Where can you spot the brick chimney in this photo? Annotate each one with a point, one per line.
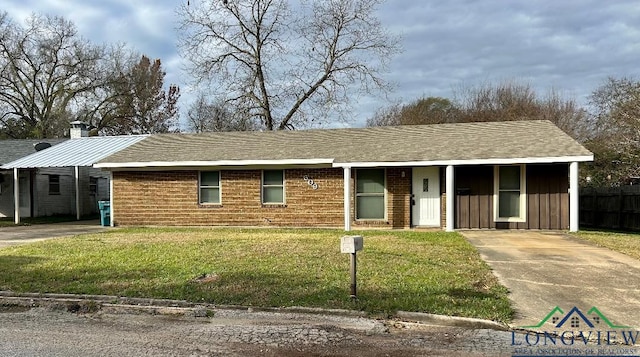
(78, 129)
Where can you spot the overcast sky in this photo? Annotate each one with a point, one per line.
(569, 45)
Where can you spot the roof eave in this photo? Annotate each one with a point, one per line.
(217, 163)
(490, 161)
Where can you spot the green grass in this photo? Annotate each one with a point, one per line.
(626, 243)
(433, 272)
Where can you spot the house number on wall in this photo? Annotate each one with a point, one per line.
(309, 180)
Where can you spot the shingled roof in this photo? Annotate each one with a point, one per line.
(537, 141)
(11, 149)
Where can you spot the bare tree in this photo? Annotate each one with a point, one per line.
(213, 116)
(102, 106)
(44, 69)
(290, 65)
(387, 116)
(616, 143)
(429, 110)
(510, 100)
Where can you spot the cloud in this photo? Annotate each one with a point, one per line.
(568, 45)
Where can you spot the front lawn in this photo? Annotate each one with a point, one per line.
(433, 272)
(626, 243)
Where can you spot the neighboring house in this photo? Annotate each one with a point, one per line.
(37, 200)
(521, 175)
(60, 179)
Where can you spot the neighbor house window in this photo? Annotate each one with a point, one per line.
(273, 186)
(93, 186)
(210, 187)
(370, 194)
(510, 198)
(54, 184)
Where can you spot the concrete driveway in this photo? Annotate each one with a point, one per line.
(543, 270)
(38, 232)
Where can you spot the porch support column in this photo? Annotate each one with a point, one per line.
(573, 197)
(111, 199)
(450, 199)
(76, 177)
(347, 199)
(16, 196)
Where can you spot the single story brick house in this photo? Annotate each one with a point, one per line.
(512, 175)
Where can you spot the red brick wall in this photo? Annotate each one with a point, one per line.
(399, 197)
(171, 198)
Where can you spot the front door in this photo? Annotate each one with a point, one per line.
(426, 195)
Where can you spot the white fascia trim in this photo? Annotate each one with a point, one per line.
(109, 165)
(524, 160)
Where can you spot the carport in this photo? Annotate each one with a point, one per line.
(76, 153)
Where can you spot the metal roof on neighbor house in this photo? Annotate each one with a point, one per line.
(84, 151)
(11, 149)
(439, 144)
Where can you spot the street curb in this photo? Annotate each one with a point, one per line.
(124, 305)
(453, 321)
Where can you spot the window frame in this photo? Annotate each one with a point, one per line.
(54, 184)
(93, 186)
(356, 195)
(263, 186)
(219, 187)
(523, 195)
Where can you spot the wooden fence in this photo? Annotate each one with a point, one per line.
(610, 207)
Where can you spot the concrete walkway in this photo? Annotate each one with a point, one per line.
(38, 232)
(543, 270)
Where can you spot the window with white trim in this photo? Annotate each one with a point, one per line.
(273, 186)
(54, 184)
(209, 187)
(510, 196)
(370, 194)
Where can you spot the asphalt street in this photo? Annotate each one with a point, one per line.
(47, 332)
(57, 332)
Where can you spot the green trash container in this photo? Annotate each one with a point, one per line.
(105, 213)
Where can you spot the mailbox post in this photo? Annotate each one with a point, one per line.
(351, 245)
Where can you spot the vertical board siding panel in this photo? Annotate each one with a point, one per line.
(474, 206)
(563, 178)
(533, 197)
(484, 206)
(543, 188)
(554, 204)
(474, 210)
(558, 216)
(464, 212)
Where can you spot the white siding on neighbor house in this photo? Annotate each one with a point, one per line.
(45, 204)
(6, 194)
